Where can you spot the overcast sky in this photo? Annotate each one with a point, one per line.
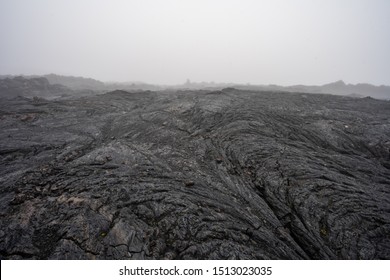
(166, 42)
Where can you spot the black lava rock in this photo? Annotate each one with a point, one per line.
(303, 176)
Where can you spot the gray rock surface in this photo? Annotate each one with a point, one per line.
(195, 175)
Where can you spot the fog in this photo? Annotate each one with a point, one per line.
(167, 42)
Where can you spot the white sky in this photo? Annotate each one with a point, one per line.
(168, 41)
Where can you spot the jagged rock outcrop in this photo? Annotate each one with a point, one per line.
(195, 175)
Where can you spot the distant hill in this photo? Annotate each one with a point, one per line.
(336, 88)
(76, 83)
(381, 92)
(31, 87)
(341, 88)
(42, 87)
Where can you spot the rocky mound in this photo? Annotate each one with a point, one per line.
(195, 175)
(33, 87)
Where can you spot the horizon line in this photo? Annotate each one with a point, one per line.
(190, 82)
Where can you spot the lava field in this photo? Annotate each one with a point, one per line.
(203, 174)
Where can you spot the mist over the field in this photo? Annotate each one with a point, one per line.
(166, 42)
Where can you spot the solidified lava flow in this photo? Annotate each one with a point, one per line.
(228, 174)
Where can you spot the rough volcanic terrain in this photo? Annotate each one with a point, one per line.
(195, 175)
